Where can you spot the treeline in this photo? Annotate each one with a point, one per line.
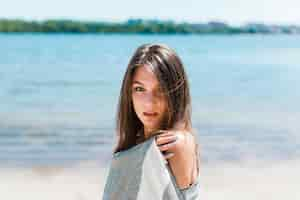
(138, 26)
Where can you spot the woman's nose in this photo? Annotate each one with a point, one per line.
(151, 98)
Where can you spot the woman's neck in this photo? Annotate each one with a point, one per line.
(147, 133)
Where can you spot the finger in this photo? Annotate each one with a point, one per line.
(164, 140)
(168, 155)
(160, 132)
(163, 133)
(167, 146)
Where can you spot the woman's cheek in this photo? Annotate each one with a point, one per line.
(137, 104)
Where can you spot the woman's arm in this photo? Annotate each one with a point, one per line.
(183, 163)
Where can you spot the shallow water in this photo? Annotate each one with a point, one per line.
(59, 94)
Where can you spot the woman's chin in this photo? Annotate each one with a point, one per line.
(151, 123)
(151, 127)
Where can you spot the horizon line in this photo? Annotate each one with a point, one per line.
(153, 19)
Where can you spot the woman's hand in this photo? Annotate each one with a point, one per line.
(178, 148)
(170, 142)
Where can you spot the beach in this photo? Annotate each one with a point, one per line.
(59, 99)
(86, 181)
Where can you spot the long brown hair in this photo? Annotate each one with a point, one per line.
(169, 70)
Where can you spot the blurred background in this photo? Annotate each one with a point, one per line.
(61, 67)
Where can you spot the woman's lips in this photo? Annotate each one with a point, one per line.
(150, 114)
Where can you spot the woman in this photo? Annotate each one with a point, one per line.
(155, 101)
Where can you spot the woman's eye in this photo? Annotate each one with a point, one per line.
(138, 89)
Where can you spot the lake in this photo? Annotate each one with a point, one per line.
(59, 93)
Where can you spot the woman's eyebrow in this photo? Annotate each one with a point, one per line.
(137, 82)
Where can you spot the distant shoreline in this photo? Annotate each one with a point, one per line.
(140, 26)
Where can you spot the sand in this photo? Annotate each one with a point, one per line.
(251, 180)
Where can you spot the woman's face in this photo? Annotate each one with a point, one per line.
(149, 102)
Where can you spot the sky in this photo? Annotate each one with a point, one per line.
(234, 12)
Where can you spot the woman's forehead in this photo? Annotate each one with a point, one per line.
(145, 76)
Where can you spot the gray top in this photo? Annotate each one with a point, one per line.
(142, 173)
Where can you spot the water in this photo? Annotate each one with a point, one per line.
(59, 93)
